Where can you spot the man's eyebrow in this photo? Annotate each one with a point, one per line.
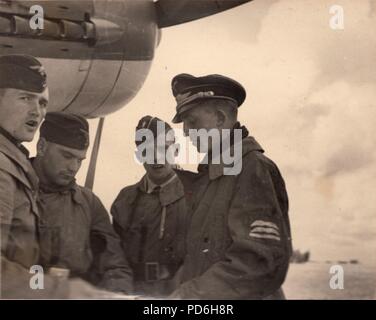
(72, 155)
(67, 153)
(25, 93)
(32, 95)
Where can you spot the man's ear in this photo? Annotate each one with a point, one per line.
(41, 147)
(177, 149)
(221, 117)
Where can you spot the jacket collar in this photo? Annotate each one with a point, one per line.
(73, 190)
(215, 171)
(77, 194)
(7, 135)
(17, 155)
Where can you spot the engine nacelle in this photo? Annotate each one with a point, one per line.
(97, 54)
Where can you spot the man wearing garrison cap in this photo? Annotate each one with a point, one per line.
(150, 216)
(76, 232)
(23, 105)
(238, 241)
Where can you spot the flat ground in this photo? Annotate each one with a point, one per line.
(311, 281)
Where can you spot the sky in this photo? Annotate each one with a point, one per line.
(311, 93)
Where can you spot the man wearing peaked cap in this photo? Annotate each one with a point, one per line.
(23, 105)
(189, 90)
(238, 240)
(76, 232)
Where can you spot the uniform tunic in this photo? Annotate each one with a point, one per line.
(238, 241)
(76, 233)
(151, 221)
(19, 219)
(18, 208)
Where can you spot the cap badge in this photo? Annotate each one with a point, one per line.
(183, 96)
(40, 70)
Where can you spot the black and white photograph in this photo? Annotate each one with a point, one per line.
(168, 150)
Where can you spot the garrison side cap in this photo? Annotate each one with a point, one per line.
(151, 123)
(23, 72)
(67, 129)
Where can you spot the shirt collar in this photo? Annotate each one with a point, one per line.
(169, 191)
(150, 186)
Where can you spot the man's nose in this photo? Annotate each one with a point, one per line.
(74, 165)
(36, 108)
(185, 130)
(159, 157)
